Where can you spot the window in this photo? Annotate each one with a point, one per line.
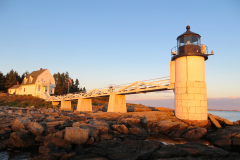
(188, 40)
(30, 79)
(194, 40)
(25, 80)
(182, 41)
(39, 87)
(24, 89)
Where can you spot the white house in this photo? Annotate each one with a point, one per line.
(39, 83)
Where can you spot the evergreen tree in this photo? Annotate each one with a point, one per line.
(62, 82)
(2, 82)
(71, 87)
(25, 74)
(59, 85)
(76, 85)
(11, 79)
(84, 89)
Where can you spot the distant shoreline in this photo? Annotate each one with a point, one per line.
(223, 110)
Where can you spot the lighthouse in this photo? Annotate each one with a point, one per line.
(187, 75)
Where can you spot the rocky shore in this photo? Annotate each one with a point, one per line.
(99, 135)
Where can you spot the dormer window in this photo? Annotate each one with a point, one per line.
(25, 80)
(30, 79)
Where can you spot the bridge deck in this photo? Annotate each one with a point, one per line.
(153, 85)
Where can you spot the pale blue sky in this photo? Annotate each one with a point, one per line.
(104, 42)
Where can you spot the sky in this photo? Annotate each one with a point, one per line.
(104, 42)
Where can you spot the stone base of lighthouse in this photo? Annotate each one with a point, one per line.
(191, 100)
(190, 88)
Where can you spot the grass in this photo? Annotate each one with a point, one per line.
(24, 101)
(28, 101)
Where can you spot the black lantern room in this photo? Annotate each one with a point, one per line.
(189, 44)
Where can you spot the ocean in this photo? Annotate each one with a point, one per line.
(230, 115)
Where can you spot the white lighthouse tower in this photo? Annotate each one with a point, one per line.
(188, 76)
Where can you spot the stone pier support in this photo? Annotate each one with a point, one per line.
(84, 104)
(117, 103)
(66, 105)
(54, 103)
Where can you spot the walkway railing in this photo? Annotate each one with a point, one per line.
(151, 85)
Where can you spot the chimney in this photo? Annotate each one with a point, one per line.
(17, 83)
(40, 69)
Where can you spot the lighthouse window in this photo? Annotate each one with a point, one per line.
(181, 41)
(187, 40)
(194, 40)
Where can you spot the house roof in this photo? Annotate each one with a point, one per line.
(15, 87)
(34, 75)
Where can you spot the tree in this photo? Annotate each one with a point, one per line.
(59, 85)
(84, 89)
(25, 74)
(62, 82)
(11, 79)
(2, 82)
(76, 85)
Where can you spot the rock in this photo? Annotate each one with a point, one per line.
(130, 108)
(143, 122)
(128, 149)
(139, 132)
(95, 134)
(226, 133)
(67, 156)
(79, 150)
(76, 135)
(196, 133)
(44, 150)
(177, 133)
(4, 145)
(120, 128)
(20, 123)
(20, 112)
(189, 149)
(51, 130)
(167, 125)
(223, 121)
(56, 123)
(129, 120)
(35, 128)
(88, 157)
(236, 123)
(137, 109)
(39, 139)
(5, 132)
(2, 113)
(76, 124)
(214, 121)
(57, 139)
(50, 119)
(44, 157)
(21, 139)
(37, 115)
(105, 137)
(196, 123)
(90, 140)
(223, 143)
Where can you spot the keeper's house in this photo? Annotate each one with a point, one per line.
(39, 83)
